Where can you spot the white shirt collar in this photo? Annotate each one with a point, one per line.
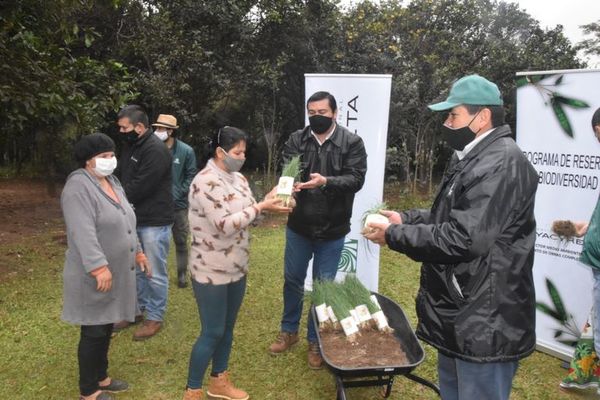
(326, 137)
(471, 145)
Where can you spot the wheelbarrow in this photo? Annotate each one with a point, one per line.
(381, 375)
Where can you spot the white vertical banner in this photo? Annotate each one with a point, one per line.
(363, 103)
(554, 131)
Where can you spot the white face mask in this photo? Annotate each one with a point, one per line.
(105, 166)
(162, 135)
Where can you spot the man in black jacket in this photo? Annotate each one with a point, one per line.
(334, 163)
(145, 173)
(476, 301)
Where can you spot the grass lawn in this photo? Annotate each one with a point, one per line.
(39, 351)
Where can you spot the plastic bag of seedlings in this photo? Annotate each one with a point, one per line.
(285, 187)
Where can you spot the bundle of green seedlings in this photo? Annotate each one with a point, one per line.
(350, 303)
(289, 174)
(367, 307)
(373, 215)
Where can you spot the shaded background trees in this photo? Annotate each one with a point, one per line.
(67, 66)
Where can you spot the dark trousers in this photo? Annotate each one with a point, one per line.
(93, 356)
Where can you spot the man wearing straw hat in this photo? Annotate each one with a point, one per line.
(476, 300)
(183, 171)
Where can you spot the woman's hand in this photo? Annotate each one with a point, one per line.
(142, 261)
(273, 204)
(581, 228)
(103, 278)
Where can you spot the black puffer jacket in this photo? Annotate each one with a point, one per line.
(324, 213)
(144, 169)
(476, 301)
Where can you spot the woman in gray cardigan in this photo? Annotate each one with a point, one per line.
(99, 272)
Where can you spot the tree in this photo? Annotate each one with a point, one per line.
(52, 91)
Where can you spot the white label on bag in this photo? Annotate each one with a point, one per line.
(374, 300)
(363, 313)
(321, 310)
(285, 185)
(349, 326)
(331, 314)
(354, 315)
(381, 320)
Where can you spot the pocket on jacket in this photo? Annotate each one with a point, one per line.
(93, 297)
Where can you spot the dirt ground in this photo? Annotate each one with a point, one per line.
(371, 349)
(26, 211)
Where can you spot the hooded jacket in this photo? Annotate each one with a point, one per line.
(324, 213)
(476, 299)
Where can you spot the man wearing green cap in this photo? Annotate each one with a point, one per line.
(476, 301)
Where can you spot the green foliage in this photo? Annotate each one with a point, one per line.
(292, 168)
(359, 293)
(242, 63)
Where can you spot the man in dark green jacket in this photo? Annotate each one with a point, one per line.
(183, 171)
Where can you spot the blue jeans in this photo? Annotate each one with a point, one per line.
(218, 306)
(152, 292)
(596, 309)
(463, 380)
(298, 252)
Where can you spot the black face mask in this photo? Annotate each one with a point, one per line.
(129, 137)
(320, 123)
(460, 137)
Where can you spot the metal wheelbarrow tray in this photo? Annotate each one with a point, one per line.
(382, 375)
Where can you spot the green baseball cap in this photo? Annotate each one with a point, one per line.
(473, 90)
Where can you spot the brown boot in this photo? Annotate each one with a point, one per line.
(315, 361)
(193, 394)
(284, 341)
(119, 326)
(222, 388)
(147, 330)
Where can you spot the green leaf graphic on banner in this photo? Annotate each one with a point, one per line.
(548, 311)
(560, 314)
(349, 256)
(557, 100)
(571, 102)
(557, 301)
(560, 114)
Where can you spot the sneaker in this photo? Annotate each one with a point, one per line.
(115, 385)
(284, 342)
(315, 361)
(222, 388)
(147, 330)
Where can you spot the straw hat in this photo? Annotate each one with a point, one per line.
(167, 121)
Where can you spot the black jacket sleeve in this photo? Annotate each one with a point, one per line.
(475, 222)
(354, 168)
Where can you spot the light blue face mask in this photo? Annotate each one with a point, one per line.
(232, 164)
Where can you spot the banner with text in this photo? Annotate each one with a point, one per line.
(554, 131)
(363, 107)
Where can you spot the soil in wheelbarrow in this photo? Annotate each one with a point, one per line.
(371, 349)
